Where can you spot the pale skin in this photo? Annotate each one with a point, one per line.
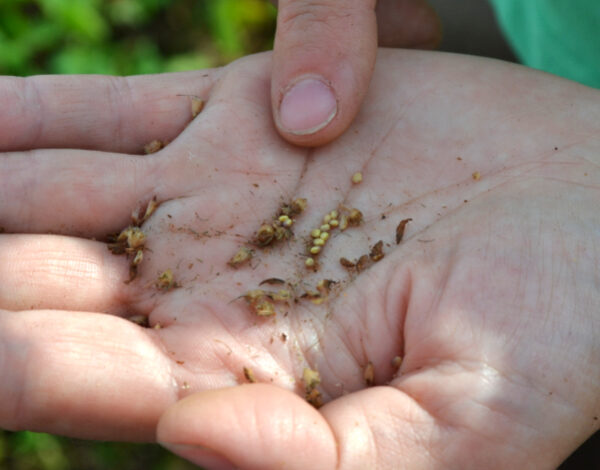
(491, 298)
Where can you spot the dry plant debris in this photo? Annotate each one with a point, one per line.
(141, 320)
(400, 230)
(249, 374)
(280, 227)
(154, 146)
(243, 256)
(312, 379)
(137, 218)
(166, 281)
(131, 240)
(369, 374)
(262, 303)
(197, 106)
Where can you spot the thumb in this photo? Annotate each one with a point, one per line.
(324, 55)
(256, 426)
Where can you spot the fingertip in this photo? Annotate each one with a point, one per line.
(308, 105)
(324, 57)
(251, 426)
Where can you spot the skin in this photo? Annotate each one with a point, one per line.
(319, 38)
(491, 298)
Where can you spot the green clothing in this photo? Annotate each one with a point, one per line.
(559, 36)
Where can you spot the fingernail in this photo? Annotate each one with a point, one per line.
(307, 106)
(201, 456)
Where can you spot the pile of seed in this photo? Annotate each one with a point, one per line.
(330, 221)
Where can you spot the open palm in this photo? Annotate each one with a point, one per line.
(490, 298)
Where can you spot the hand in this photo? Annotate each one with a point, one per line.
(333, 46)
(491, 298)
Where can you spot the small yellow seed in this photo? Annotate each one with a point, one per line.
(283, 218)
(324, 236)
(287, 223)
(310, 262)
(325, 228)
(318, 242)
(357, 177)
(334, 214)
(326, 219)
(315, 250)
(334, 223)
(316, 233)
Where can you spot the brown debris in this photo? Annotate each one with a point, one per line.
(312, 379)
(243, 256)
(400, 230)
(369, 374)
(377, 251)
(346, 263)
(355, 218)
(249, 374)
(314, 398)
(363, 263)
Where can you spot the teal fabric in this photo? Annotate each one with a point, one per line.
(559, 36)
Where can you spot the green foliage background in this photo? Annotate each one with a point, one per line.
(121, 37)
(125, 37)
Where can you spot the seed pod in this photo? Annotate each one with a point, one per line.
(249, 374)
(165, 280)
(400, 230)
(298, 205)
(139, 256)
(363, 263)
(154, 146)
(197, 106)
(265, 235)
(346, 263)
(355, 217)
(314, 398)
(343, 222)
(311, 378)
(377, 251)
(242, 256)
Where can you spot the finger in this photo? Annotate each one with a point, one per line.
(252, 427)
(119, 114)
(81, 374)
(54, 272)
(408, 23)
(74, 192)
(324, 56)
